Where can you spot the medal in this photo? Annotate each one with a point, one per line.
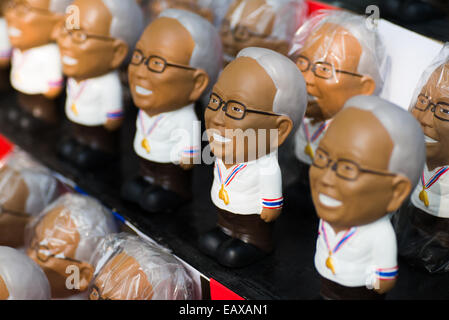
(223, 194)
(308, 150)
(423, 195)
(329, 261)
(145, 143)
(74, 109)
(75, 98)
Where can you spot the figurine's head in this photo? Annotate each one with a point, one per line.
(31, 22)
(196, 6)
(25, 190)
(108, 31)
(431, 109)
(138, 270)
(260, 23)
(258, 99)
(340, 57)
(175, 60)
(365, 165)
(21, 278)
(64, 237)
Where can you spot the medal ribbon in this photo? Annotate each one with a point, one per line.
(317, 133)
(223, 194)
(153, 126)
(434, 178)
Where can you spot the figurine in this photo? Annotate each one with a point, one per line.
(91, 55)
(364, 169)
(36, 72)
(5, 49)
(422, 225)
(26, 188)
(62, 239)
(340, 57)
(21, 278)
(260, 96)
(130, 268)
(175, 62)
(203, 8)
(267, 24)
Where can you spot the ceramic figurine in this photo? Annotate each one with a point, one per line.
(175, 62)
(91, 55)
(203, 8)
(258, 100)
(63, 238)
(36, 72)
(365, 167)
(130, 268)
(267, 24)
(422, 225)
(21, 278)
(340, 57)
(26, 188)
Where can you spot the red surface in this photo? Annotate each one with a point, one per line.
(5, 146)
(220, 292)
(315, 5)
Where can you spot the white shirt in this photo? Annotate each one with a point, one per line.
(309, 134)
(5, 45)
(438, 194)
(170, 136)
(93, 101)
(37, 70)
(250, 186)
(369, 253)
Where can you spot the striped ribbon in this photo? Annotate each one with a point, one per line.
(434, 178)
(387, 273)
(154, 125)
(317, 133)
(231, 176)
(348, 234)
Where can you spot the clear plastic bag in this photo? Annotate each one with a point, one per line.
(129, 268)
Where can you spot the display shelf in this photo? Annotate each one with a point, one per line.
(288, 273)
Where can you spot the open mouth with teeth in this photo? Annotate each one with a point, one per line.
(429, 140)
(220, 139)
(14, 32)
(142, 91)
(328, 201)
(69, 61)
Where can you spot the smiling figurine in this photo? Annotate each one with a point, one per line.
(21, 278)
(267, 24)
(65, 236)
(422, 225)
(129, 268)
(258, 99)
(36, 71)
(91, 55)
(364, 168)
(340, 57)
(175, 62)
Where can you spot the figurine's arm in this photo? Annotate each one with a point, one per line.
(114, 120)
(5, 59)
(112, 100)
(190, 140)
(271, 190)
(54, 89)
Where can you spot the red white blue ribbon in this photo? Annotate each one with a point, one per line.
(317, 133)
(348, 235)
(387, 273)
(273, 203)
(434, 178)
(153, 126)
(231, 176)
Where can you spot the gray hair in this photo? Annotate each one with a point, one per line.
(127, 20)
(93, 221)
(373, 61)
(409, 151)
(59, 6)
(291, 94)
(24, 279)
(207, 53)
(167, 276)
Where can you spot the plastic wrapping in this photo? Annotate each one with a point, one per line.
(23, 278)
(268, 24)
(129, 268)
(422, 225)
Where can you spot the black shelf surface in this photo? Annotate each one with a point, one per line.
(288, 273)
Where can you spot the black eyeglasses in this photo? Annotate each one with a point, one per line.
(439, 109)
(155, 63)
(320, 69)
(240, 33)
(232, 108)
(344, 168)
(13, 213)
(80, 36)
(44, 254)
(96, 295)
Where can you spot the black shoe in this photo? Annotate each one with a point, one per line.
(67, 147)
(156, 199)
(235, 253)
(133, 189)
(209, 242)
(88, 158)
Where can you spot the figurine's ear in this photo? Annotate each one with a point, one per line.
(368, 85)
(120, 52)
(401, 190)
(86, 275)
(285, 126)
(201, 81)
(282, 46)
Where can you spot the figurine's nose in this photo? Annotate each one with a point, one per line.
(328, 177)
(309, 77)
(426, 119)
(218, 118)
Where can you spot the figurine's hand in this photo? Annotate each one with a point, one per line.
(385, 286)
(113, 124)
(4, 63)
(53, 92)
(186, 163)
(269, 215)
